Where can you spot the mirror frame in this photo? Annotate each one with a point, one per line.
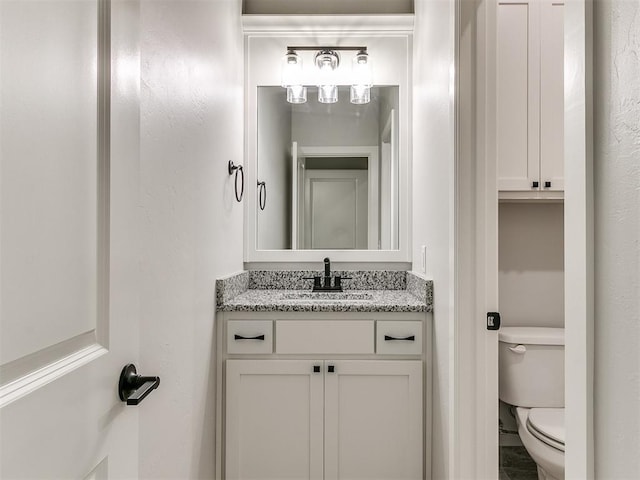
(266, 39)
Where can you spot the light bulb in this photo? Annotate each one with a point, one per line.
(291, 69)
(361, 69)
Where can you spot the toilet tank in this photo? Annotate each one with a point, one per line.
(531, 366)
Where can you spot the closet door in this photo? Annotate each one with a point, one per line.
(274, 420)
(373, 420)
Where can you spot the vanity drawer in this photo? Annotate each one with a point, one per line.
(324, 336)
(399, 338)
(249, 336)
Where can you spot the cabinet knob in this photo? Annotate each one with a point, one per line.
(547, 184)
(331, 368)
(535, 184)
(316, 369)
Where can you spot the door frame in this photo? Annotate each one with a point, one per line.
(474, 431)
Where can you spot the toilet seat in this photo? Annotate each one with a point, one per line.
(547, 425)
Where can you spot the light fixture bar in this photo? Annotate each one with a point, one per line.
(345, 48)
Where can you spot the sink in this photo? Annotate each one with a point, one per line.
(328, 296)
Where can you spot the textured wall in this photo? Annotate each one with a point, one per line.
(617, 233)
(433, 174)
(191, 224)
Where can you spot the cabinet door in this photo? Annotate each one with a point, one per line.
(517, 89)
(274, 420)
(373, 420)
(552, 95)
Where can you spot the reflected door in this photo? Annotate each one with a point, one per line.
(335, 209)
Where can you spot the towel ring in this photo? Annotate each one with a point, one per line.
(238, 169)
(262, 195)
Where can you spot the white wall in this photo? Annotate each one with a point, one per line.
(191, 225)
(433, 201)
(617, 238)
(531, 264)
(274, 168)
(336, 124)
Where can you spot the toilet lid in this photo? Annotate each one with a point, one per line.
(547, 425)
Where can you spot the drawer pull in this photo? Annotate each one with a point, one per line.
(410, 338)
(240, 337)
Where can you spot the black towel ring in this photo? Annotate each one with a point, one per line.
(237, 169)
(262, 195)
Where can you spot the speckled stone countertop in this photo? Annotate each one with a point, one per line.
(283, 292)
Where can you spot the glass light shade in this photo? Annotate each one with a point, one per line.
(360, 94)
(291, 69)
(328, 93)
(296, 94)
(361, 70)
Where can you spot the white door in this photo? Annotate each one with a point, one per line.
(336, 209)
(68, 196)
(552, 95)
(274, 420)
(518, 94)
(373, 420)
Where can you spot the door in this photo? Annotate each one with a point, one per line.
(518, 94)
(373, 420)
(68, 196)
(552, 95)
(274, 420)
(336, 209)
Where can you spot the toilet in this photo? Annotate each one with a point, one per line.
(531, 379)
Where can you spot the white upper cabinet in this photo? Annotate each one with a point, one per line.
(530, 96)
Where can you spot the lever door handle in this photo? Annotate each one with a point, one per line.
(410, 338)
(134, 388)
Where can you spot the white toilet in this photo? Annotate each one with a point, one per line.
(531, 373)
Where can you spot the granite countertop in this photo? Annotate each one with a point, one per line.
(281, 291)
(305, 301)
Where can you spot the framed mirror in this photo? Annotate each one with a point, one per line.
(327, 179)
(330, 172)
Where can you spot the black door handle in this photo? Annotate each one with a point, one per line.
(409, 339)
(134, 388)
(240, 337)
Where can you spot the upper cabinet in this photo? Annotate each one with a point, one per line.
(530, 98)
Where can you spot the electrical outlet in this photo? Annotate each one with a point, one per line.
(423, 250)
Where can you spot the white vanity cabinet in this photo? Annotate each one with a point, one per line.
(313, 409)
(530, 97)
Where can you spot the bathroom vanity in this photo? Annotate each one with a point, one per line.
(323, 385)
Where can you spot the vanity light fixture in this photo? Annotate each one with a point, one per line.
(292, 77)
(327, 60)
(362, 78)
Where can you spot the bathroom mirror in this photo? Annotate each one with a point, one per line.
(327, 180)
(330, 172)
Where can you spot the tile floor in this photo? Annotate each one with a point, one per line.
(516, 464)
